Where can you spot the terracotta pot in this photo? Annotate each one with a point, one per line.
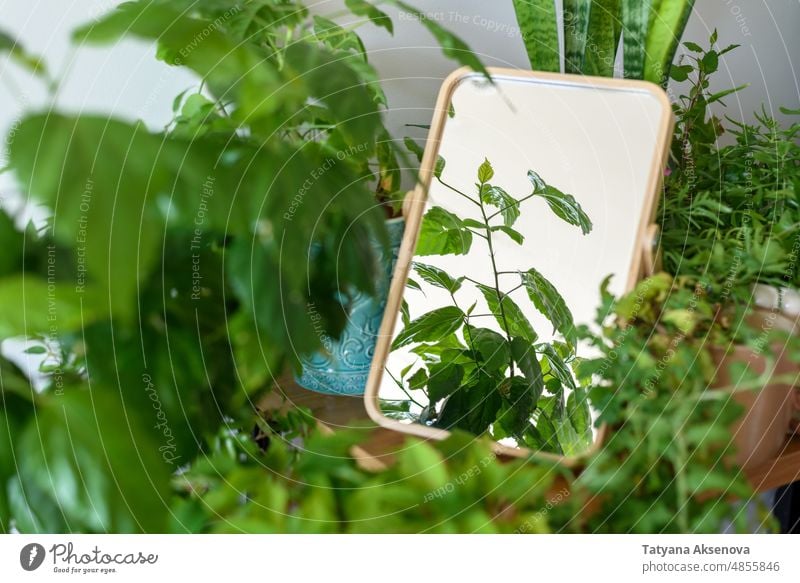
(762, 432)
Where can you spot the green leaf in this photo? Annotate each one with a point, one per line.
(515, 235)
(504, 202)
(635, 20)
(550, 303)
(539, 28)
(604, 31)
(376, 16)
(514, 323)
(576, 31)
(438, 277)
(472, 408)
(415, 149)
(680, 73)
(439, 168)
(21, 56)
(558, 368)
(694, 47)
(485, 172)
(443, 233)
(430, 327)
(336, 37)
(565, 207)
(524, 354)
(668, 21)
(36, 350)
(98, 462)
(452, 46)
(710, 62)
(493, 348)
(580, 415)
(33, 306)
(445, 379)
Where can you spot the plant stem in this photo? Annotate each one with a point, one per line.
(496, 273)
(457, 191)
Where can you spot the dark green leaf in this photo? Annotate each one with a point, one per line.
(549, 302)
(499, 198)
(445, 379)
(524, 354)
(431, 327)
(438, 277)
(565, 207)
(515, 236)
(493, 348)
(508, 314)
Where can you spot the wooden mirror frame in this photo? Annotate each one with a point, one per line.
(643, 263)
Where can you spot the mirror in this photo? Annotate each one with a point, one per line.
(534, 189)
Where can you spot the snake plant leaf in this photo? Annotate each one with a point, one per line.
(375, 15)
(452, 46)
(635, 20)
(668, 20)
(605, 28)
(508, 314)
(443, 233)
(550, 303)
(539, 27)
(430, 327)
(576, 30)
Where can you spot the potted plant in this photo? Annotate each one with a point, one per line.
(729, 225)
(481, 368)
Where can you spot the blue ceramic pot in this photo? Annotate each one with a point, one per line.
(345, 369)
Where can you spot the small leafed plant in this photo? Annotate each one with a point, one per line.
(499, 380)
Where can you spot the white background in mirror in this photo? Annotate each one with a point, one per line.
(596, 143)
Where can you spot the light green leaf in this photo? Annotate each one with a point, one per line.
(376, 16)
(443, 233)
(668, 21)
(515, 235)
(485, 172)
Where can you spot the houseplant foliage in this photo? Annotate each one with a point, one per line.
(482, 369)
(143, 420)
(170, 283)
(650, 31)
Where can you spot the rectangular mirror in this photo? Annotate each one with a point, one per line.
(534, 189)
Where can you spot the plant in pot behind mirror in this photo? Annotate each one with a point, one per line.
(478, 365)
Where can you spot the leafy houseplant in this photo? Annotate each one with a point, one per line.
(172, 282)
(478, 378)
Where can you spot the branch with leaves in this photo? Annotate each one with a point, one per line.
(498, 380)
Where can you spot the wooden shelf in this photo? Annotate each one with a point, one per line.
(337, 412)
(783, 470)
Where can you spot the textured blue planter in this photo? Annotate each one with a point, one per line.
(345, 370)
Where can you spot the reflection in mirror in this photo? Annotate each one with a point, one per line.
(537, 194)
